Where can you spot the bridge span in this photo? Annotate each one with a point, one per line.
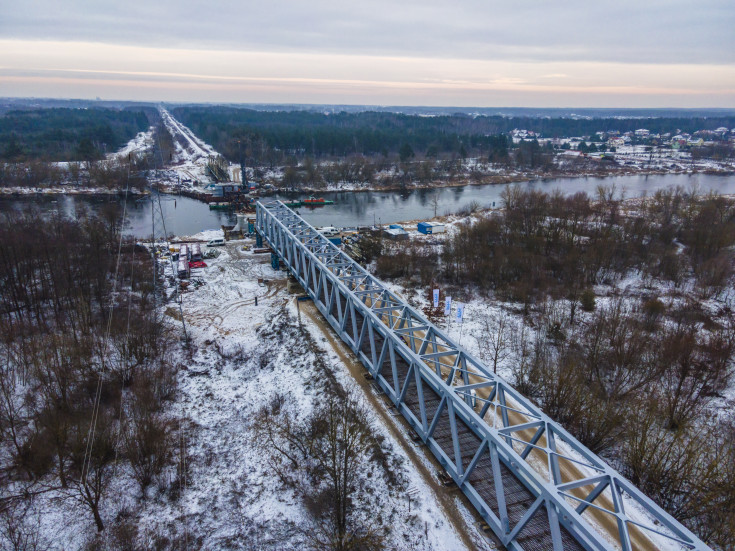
(535, 485)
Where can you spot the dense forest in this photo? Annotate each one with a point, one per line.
(260, 135)
(118, 173)
(62, 134)
(639, 377)
(85, 372)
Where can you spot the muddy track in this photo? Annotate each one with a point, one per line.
(445, 496)
(235, 269)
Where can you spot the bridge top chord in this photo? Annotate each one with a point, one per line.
(533, 482)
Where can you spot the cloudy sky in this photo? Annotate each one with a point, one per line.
(643, 53)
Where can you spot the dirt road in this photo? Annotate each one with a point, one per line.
(445, 496)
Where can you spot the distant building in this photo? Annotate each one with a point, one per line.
(522, 135)
(642, 133)
(222, 190)
(678, 141)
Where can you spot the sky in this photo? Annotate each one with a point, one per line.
(484, 53)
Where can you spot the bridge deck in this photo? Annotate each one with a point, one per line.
(535, 485)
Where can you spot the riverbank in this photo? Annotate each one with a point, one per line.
(505, 179)
(476, 178)
(68, 190)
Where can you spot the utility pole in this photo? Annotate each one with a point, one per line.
(153, 244)
(179, 296)
(243, 174)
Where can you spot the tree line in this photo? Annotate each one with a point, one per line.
(113, 174)
(555, 244)
(265, 138)
(64, 134)
(529, 157)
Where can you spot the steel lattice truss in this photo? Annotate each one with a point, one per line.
(534, 484)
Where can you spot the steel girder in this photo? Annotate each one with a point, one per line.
(534, 484)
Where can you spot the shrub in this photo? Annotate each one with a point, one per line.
(587, 300)
(652, 311)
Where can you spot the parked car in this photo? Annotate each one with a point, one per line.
(219, 241)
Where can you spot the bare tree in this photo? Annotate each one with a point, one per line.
(522, 347)
(321, 457)
(148, 440)
(19, 532)
(94, 464)
(693, 368)
(493, 338)
(434, 202)
(677, 469)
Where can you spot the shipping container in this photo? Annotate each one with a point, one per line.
(184, 252)
(196, 252)
(183, 268)
(428, 228)
(396, 234)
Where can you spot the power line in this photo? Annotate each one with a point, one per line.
(98, 391)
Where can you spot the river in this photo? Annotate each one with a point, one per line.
(184, 216)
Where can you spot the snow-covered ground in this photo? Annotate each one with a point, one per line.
(631, 288)
(243, 355)
(143, 141)
(62, 189)
(667, 160)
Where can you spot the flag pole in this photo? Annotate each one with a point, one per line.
(460, 318)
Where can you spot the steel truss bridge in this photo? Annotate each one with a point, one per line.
(535, 485)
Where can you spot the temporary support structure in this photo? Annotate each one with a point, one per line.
(535, 485)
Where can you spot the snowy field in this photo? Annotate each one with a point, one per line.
(142, 142)
(242, 356)
(480, 310)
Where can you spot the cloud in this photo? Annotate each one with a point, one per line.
(655, 31)
(468, 52)
(87, 70)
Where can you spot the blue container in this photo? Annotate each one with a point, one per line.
(395, 227)
(336, 240)
(425, 228)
